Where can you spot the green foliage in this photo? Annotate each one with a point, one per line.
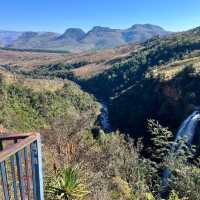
(168, 101)
(112, 166)
(160, 140)
(58, 70)
(185, 178)
(66, 185)
(134, 98)
(24, 109)
(173, 196)
(122, 161)
(122, 188)
(150, 196)
(34, 50)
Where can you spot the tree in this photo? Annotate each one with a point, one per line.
(160, 140)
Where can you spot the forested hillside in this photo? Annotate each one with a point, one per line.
(137, 91)
(28, 104)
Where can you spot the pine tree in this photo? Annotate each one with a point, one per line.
(160, 140)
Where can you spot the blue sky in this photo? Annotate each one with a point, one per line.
(58, 15)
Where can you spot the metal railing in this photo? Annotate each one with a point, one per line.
(21, 167)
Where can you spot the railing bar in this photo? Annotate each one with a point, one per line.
(12, 149)
(4, 180)
(9, 136)
(27, 170)
(40, 190)
(22, 144)
(33, 163)
(12, 166)
(20, 175)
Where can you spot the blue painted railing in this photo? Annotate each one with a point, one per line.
(21, 167)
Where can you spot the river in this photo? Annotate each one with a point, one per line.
(104, 118)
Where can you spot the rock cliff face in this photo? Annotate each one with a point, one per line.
(171, 92)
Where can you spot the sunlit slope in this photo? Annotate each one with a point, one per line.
(90, 63)
(170, 70)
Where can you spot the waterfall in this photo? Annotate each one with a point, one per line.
(186, 133)
(187, 129)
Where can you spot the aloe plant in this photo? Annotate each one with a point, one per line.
(66, 185)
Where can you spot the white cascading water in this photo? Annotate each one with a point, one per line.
(187, 130)
(186, 133)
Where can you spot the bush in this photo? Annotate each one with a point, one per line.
(26, 110)
(66, 185)
(185, 179)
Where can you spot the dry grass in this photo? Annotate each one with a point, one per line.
(97, 60)
(90, 70)
(28, 60)
(43, 84)
(100, 61)
(172, 69)
(34, 84)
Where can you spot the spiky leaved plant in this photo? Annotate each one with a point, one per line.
(66, 185)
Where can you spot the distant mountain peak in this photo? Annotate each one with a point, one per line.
(100, 28)
(73, 34)
(147, 26)
(195, 30)
(69, 30)
(142, 32)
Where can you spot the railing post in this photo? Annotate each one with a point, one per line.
(36, 159)
(20, 175)
(4, 180)
(12, 167)
(27, 171)
(20, 150)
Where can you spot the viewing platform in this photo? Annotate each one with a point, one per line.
(21, 167)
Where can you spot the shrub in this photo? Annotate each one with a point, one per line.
(185, 179)
(173, 196)
(66, 185)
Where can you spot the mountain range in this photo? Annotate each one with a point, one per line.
(8, 37)
(76, 40)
